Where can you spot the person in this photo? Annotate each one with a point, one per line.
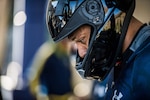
(102, 53)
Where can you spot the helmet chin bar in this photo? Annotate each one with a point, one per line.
(102, 55)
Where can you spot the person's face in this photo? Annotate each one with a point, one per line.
(81, 38)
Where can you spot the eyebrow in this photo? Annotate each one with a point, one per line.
(71, 37)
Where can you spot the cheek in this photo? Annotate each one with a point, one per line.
(82, 49)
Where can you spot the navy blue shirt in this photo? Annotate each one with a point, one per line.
(132, 79)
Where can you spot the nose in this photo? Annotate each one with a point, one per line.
(82, 50)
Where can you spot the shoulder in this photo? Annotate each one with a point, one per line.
(141, 68)
(140, 61)
(141, 55)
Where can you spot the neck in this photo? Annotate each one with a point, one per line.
(131, 32)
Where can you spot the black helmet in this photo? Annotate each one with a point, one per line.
(65, 16)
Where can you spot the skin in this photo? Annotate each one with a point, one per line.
(82, 35)
(81, 38)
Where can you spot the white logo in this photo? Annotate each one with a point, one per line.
(117, 97)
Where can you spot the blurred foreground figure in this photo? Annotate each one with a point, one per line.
(122, 56)
(51, 71)
(52, 76)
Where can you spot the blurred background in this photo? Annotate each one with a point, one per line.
(22, 32)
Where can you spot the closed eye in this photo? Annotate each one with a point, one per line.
(81, 40)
